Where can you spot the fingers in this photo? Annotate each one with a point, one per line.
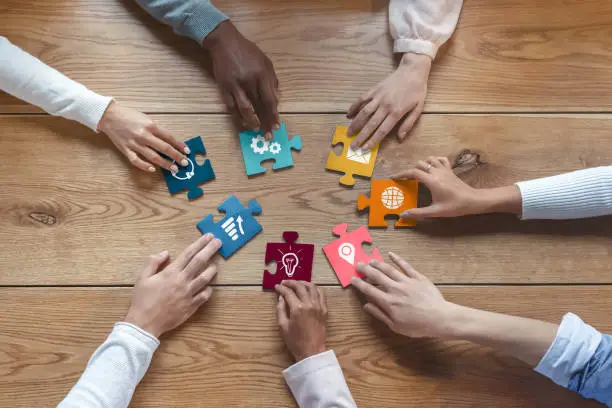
(153, 157)
(362, 117)
(189, 252)
(245, 109)
(202, 297)
(366, 131)
(164, 135)
(409, 122)
(291, 299)
(201, 260)
(300, 288)
(423, 166)
(268, 108)
(357, 105)
(154, 264)
(201, 281)
(383, 130)
(445, 162)
(374, 276)
(388, 270)
(431, 211)
(414, 174)
(162, 147)
(371, 292)
(322, 300)
(405, 266)
(378, 313)
(282, 315)
(137, 162)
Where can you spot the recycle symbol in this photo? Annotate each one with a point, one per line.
(260, 145)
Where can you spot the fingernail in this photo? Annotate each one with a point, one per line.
(152, 169)
(163, 254)
(208, 235)
(184, 162)
(392, 254)
(173, 168)
(187, 150)
(217, 242)
(373, 261)
(269, 135)
(277, 126)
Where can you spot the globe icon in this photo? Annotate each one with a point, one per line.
(392, 197)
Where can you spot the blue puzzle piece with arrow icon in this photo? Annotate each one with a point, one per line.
(238, 226)
(191, 176)
(255, 149)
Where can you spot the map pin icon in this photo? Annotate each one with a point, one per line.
(346, 251)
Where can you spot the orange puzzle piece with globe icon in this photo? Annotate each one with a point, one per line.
(390, 197)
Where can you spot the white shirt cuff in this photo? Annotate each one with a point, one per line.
(142, 336)
(573, 347)
(403, 45)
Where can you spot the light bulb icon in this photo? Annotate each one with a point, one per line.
(290, 262)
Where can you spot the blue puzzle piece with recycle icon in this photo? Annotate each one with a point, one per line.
(235, 229)
(255, 149)
(191, 176)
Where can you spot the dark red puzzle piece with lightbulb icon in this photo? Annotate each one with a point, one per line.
(293, 261)
(346, 252)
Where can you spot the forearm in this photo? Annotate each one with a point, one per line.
(191, 18)
(422, 26)
(114, 370)
(522, 338)
(317, 381)
(580, 194)
(31, 80)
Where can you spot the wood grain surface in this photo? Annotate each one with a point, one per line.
(510, 55)
(74, 212)
(231, 355)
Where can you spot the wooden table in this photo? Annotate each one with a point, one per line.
(521, 91)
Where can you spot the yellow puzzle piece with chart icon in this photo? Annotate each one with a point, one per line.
(351, 162)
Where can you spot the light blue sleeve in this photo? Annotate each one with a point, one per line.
(191, 18)
(580, 358)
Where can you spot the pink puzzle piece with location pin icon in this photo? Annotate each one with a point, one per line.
(345, 253)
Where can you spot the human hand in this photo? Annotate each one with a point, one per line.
(302, 318)
(402, 93)
(405, 300)
(452, 197)
(246, 76)
(167, 294)
(140, 139)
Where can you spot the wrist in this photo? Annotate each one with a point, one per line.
(108, 112)
(219, 35)
(500, 200)
(414, 61)
(140, 321)
(304, 354)
(460, 323)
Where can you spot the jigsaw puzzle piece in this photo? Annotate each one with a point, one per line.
(390, 197)
(256, 149)
(351, 162)
(346, 252)
(191, 176)
(293, 261)
(237, 228)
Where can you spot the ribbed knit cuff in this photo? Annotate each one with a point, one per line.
(143, 337)
(403, 45)
(202, 21)
(90, 108)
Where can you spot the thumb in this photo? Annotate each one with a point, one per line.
(431, 211)
(154, 264)
(281, 313)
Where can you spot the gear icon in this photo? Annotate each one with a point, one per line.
(259, 144)
(275, 148)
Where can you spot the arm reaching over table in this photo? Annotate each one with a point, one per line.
(579, 194)
(316, 379)
(245, 75)
(418, 28)
(165, 296)
(133, 133)
(572, 354)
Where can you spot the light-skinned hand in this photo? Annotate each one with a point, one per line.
(246, 77)
(452, 197)
(401, 94)
(142, 140)
(302, 318)
(402, 298)
(167, 293)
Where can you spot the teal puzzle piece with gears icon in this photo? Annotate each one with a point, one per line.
(191, 176)
(255, 149)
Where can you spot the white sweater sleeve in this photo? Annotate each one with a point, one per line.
(422, 26)
(114, 370)
(318, 382)
(27, 78)
(580, 194)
